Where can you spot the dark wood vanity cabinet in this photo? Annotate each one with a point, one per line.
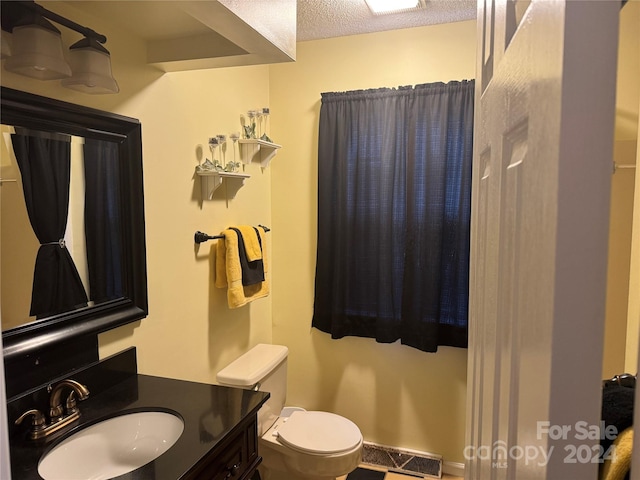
(220, 437)
(235, 459)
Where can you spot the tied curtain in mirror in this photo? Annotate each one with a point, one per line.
(394, 205)
(44, 161)
(102, 220)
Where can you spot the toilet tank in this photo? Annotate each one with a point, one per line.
(262, 368)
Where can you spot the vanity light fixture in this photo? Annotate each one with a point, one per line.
(379, 7)
(37, 50)
(91, 67)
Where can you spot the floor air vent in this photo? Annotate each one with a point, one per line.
(411, 463)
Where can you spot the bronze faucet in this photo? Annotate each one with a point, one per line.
(55, 405)
(57, 417)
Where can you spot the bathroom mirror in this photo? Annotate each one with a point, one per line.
(110, 173)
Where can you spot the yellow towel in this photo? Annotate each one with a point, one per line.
(617, 467)
(251, 243)
(229, 272)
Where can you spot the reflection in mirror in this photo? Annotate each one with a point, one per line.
(96, 211)
(92, 232)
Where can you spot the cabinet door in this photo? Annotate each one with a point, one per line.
(236, 459)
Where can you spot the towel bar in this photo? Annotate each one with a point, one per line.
(201, 237)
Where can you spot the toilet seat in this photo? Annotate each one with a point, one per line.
(319, 433)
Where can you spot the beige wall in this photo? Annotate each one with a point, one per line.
(190, 332)
(397, 395)
(620, 223)
(633, 314)
(622, 200)
(623, 294)
(628, 80)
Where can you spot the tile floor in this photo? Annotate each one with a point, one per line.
(397, 476)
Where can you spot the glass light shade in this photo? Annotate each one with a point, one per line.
(5, 44)
(91, 66)
(391, 6)
(37, 52)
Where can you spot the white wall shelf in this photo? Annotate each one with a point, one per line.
(262, 151)
(211, 180)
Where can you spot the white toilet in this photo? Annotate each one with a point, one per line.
(294, 444)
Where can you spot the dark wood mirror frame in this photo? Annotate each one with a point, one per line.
(40, 113)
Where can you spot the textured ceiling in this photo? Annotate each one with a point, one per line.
(153, 20)
(336, 18)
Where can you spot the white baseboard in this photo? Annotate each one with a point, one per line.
(453, 468)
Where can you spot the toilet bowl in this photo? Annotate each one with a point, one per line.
(311, 445)
(295, 444)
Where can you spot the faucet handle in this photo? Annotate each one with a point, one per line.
(71, 404)
(37, 422)
(56, 413)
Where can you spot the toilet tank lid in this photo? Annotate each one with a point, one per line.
(253, 366)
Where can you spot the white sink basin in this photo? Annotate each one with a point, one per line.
(112, 447)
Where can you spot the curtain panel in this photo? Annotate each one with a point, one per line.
(102, 220)
(394, 203)
(44, 161)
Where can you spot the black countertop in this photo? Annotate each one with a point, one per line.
(210, 413)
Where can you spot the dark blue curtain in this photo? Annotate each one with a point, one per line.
(102, 220)
(45, 167)
(394, 203)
